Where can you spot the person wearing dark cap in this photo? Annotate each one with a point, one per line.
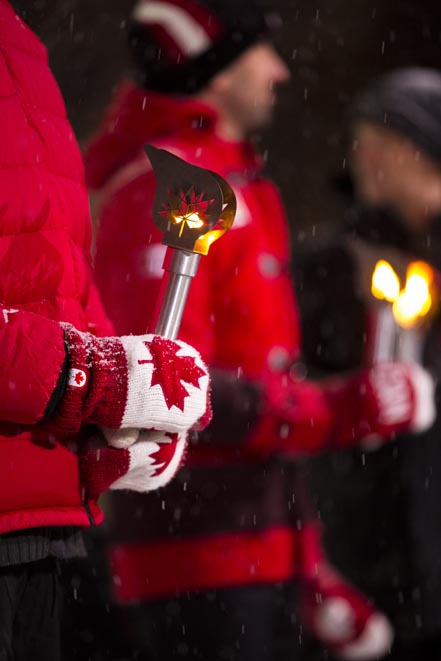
(396, 160)
(394, 551)
(211, 568)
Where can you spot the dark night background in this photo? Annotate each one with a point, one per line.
(333, 47)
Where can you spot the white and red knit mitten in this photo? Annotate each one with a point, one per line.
(147, 465)
(341, 617)
(367, 408)
(133, 382)
(379, 403)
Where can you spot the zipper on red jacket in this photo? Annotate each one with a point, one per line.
(87, 508)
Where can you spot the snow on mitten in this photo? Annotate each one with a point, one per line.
(147, 465)
(335, 612)
(133, 382)
(379, 403)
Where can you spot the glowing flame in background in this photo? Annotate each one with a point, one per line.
(414, 301)
(385, 282)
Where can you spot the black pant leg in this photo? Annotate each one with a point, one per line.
(252, 623)
(89, 632)
(8, 600)
(37, 620)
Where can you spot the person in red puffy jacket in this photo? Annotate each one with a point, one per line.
(75, 401)
(210, 566)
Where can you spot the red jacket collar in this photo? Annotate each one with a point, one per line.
(136, 117)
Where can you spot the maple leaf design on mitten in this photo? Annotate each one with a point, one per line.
(170, 370)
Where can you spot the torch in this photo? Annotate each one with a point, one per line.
(193, 207)
(398, 322)
(381, 333)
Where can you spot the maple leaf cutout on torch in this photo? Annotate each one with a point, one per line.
(183, 204)
(169, 370)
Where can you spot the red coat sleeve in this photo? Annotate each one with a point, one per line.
(32, 353)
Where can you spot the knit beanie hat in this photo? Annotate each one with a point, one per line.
(407, 101)
(179, 45)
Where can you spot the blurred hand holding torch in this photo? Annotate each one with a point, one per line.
(397, 325)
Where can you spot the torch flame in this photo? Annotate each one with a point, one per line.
(411, 303)
(192, 219)
(385, 282)
(415, 301)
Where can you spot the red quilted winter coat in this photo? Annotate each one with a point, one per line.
(44, 278)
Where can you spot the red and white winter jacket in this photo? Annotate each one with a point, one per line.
(248, 268)
(45, 278)
(241, 315)
(234, 513)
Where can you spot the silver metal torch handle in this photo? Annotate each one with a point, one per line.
(180, 267)
(385, 334)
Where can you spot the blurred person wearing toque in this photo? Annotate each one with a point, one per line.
(74, 403)
(394, 551)
(220, 565)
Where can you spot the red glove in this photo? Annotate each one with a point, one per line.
(132, 383)
(335, 612)
(147, 465)
(382, 402)
(378, 403)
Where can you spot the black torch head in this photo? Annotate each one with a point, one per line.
(193, 207)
